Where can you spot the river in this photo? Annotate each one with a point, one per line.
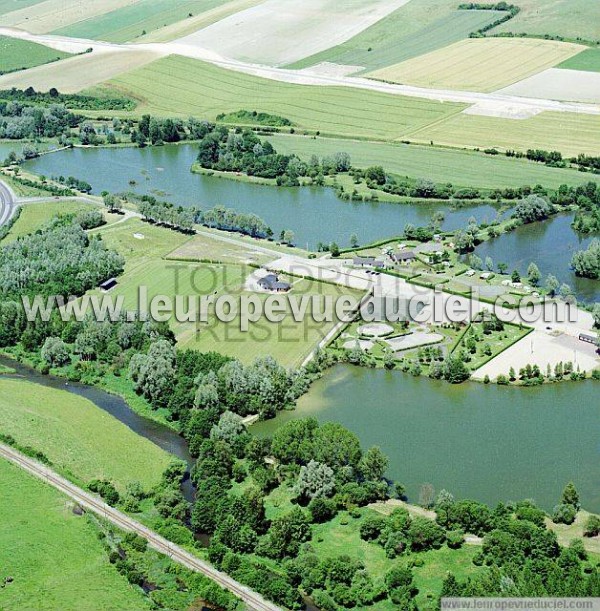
(489, 443)
(314, 214)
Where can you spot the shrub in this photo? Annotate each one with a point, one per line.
(592, 527)
(564, 514)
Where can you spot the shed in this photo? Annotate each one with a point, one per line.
(109, 284)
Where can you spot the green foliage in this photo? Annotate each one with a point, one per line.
(72, 101)
(586, 263)
(247, 117)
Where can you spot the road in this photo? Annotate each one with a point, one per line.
(7, 203)
(493, 104)
(177, 554)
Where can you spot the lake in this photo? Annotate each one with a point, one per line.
(551, 246)
(489, 443)
(314, 214)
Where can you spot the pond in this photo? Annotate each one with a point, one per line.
(314, 214)
(551, 246)
(489, 443)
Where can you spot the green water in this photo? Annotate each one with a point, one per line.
(489, 443)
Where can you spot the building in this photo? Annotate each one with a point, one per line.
(363, 261)
(588, 339)
(107, 285)
(406, 256)
(272, 283)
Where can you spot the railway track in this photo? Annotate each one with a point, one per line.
(177, 554)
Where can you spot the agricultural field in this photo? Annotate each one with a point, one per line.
(8, 6)
(180, 86)
(50, 15)
(276, 32)
(80, 72)
(412, 30)
(79, 438)
(479, 64)
(53, 555)
(463, 168)
(571, 19)
(20, 54)
(588, 61)
(133, 21)
(569, 133)
(559, 84)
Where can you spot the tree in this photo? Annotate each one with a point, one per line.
(426, 495)
(592, 527)
(533, 274)
(229, 428)
(596, 315)
(154, 373)
(288, 236)
(315, 480)
(287, 533)
(55, 352)
(564, 514)
(502, 267)
(570, 496)
(373, 464)
(455, 370)
(112, 202)
(425, 534)
(552, 284)
(354, 240)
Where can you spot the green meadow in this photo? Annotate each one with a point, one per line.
(7, 6)
(21, 54)
(79, 438)
(465, 168)
(54, 556)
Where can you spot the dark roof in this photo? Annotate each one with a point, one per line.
(272, 283)
(404, 256)
(108, 284)
(587, 338)
(364, 260)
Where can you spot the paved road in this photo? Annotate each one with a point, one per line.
(487, 103)
(7, 203)
(88, 501)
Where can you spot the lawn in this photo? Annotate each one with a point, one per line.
(568, 133)
(21, 54)
(183, 87)
(460, 167)
(412, 30)
(35, 216)
(573, 19)
(55, 557)
(79, 438)
(134, 20)
(588, 60)
(289, 342)
(479, 64)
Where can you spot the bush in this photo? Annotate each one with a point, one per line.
(455, 539)
(592, 527)
(371, 528)
(322, 510)
(564, 514)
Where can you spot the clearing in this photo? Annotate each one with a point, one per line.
(182, 87)
(80, 439)
(44, 17)
(588, 60)
(569, 133)
(463, 168)
(132, 21)
(19, 54)
(559, 84)
(53, 555)
(479, 64)
(80, 72)
(416, 28)
(277, 32)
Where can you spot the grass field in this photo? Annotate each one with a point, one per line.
(414, 29)
(79, 72)
(181, 86)
(479, 64)
(42, 17)
(79, 438)
(8, 6)
(54, 556)
(588, 60)
(572, 19)
(566, 132)
(20, 54)
(289, 342)
(134, 20)
(34, 216)
(460, 167)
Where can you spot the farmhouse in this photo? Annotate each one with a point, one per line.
(368, 262)
(272, 283)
